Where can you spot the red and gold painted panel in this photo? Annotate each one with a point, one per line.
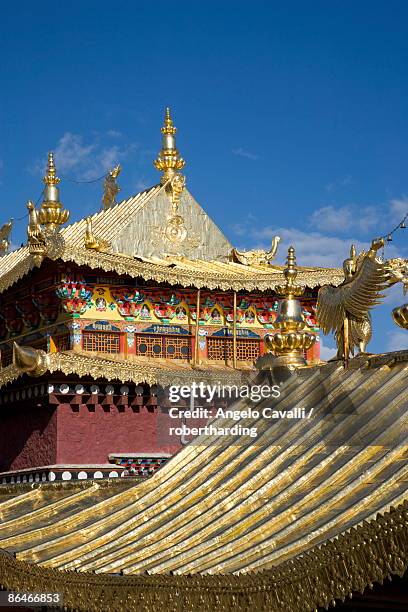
(76, 311)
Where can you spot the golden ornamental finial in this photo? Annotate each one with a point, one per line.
(168, 161)
(292, 337)
(289, 289)
(168, 127)
(51, 214)
(51, 177)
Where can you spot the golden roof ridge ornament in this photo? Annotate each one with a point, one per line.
(256, 257)
(168, 161)
(5, 232)
(110, 187)
(51, 214)
(292, 337)
(93, 242)
(29, 360)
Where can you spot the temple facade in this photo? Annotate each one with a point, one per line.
(95, 315)
(99, 318)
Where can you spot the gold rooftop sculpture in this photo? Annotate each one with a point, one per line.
(168, 161)
(257, 257)
(344, 310)
(292, 337)
(5, 232)
(110, 187)
(51, 214)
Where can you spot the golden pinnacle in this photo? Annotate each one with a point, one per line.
(168, 161)
(51, 177)
(168, 127)
(51, 214)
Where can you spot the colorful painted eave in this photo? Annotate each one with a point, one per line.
(107, 224)
(308, 512)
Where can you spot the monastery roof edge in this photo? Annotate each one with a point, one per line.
(183, 272)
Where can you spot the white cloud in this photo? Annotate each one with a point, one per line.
(243, 153)
(397, 340)
(343, 182)
(326, 352)
(342, 218)
(399, 208)
(329, 218)
(394, 296)
(312, 248)
(70, 151)
(85, 160)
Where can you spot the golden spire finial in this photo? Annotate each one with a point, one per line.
(168, 161)
(291, 338)
(51, 177)
(289, 289)
(51, 213)
(168, 127)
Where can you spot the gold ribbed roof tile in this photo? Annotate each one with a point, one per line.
(220, 507)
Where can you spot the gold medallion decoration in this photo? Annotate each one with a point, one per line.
(175, 230)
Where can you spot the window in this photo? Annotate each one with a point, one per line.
(6, 355)
(221, 349)
(102, 342)
(166, 347)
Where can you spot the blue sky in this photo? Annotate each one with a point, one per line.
(292, 115)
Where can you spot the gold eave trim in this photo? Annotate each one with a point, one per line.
(250, 280)
(98, 367)
(355, 559)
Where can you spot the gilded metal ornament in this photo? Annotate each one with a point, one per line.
(257, 257)
(400, 316)
(291, 339)
(51, 214)
(168, 161)
(111, 188)
(344, 310)
(91, 241)
(177, 185)
(5, 232)
(30, 360)
(36, 236)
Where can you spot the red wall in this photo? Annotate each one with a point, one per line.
(28, 436)
(89, 436)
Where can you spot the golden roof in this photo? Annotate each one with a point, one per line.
(131, 227)
(225, 509)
